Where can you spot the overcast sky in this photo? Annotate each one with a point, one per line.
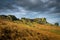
(49, 9)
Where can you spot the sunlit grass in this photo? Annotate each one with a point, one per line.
(14, 31)
(53, 31)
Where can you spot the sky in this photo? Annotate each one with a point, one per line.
(50, 9)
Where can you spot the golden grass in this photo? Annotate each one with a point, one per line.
(19, 31)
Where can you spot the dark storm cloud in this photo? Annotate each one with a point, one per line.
(38, 5)
(35, 5)
(32, 5)
(6, 4)
(54, 4)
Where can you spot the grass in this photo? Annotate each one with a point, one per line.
(14, 31)
(10, 30)
(53, 31)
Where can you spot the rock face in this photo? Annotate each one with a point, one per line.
(24, 20)
(40, 20)
(9, 17)
(12, 17)
(3, 16)
(37, 20)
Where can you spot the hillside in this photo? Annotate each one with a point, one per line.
(12, 28)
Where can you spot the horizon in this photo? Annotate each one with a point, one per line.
(49, 9)
(33, 18)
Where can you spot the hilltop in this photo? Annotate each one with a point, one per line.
(12, 28)
(26, 20)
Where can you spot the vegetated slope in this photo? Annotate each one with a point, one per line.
(53, 32)
(26, 30)
(14, 31)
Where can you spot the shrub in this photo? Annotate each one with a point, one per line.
(57, 24)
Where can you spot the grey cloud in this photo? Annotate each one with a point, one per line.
(6, 4)
(36, 5)
(40, 5)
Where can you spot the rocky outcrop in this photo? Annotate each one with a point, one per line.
(8, 17)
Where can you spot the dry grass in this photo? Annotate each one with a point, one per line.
(19, 31)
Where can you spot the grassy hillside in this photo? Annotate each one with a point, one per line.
(27, 30)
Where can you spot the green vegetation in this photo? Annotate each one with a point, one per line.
(57, 24)
(52, 30)
(55, 31)
(26, 20)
